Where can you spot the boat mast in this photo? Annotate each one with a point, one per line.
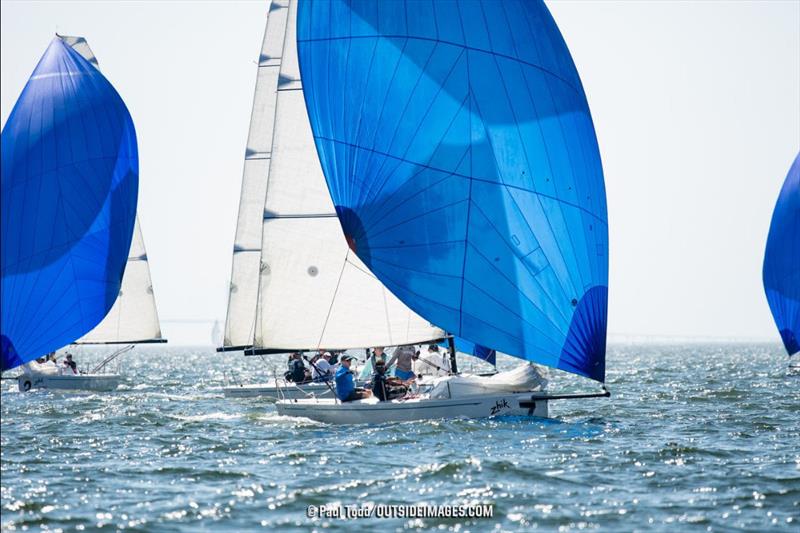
(451, 344)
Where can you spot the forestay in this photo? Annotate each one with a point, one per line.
(69, 192)
(312, 292)
(782, 261)
(134, 317)
(460, 153)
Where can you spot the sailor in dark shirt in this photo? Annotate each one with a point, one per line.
(297, 370)
(384, 387)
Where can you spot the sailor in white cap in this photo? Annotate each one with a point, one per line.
(321, 370)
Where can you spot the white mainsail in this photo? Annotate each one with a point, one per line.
(133, 318)
(312, 291)
(243, 290)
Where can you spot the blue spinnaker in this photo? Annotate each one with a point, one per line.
(782, 261)
(461, 156)
(69, 190)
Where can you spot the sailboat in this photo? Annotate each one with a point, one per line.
(132, 320)
(781, 271)
(69, 195)
(459, 150)
(295, 283)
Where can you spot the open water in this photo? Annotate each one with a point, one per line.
(695, 438)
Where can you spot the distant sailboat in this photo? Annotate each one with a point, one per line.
(461, 158)
(69, 196)
(295, 284)
(217, 336)
(781, 271)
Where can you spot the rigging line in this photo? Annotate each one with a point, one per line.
(357, 267)
(333, 300)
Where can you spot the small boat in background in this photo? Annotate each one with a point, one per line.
(64, 256)
(781, 272)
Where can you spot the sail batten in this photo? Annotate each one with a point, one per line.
(466, 122)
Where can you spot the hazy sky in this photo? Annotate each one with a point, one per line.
(696, 106)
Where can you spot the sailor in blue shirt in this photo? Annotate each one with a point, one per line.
(346, 389)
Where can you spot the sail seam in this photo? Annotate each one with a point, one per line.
(448, 43)
(478, 179)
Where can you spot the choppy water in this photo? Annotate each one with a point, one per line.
(701, 437)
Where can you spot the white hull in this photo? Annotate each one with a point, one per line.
(84, 382)
(371, 411)
(275, 390)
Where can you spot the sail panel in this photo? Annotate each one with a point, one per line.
(243, 288)
(475, 350)
(459, 150)
(314, 292)
(69, 193)
(781, 272)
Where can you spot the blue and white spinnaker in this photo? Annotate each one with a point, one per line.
(69, 193)
(782, 261)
